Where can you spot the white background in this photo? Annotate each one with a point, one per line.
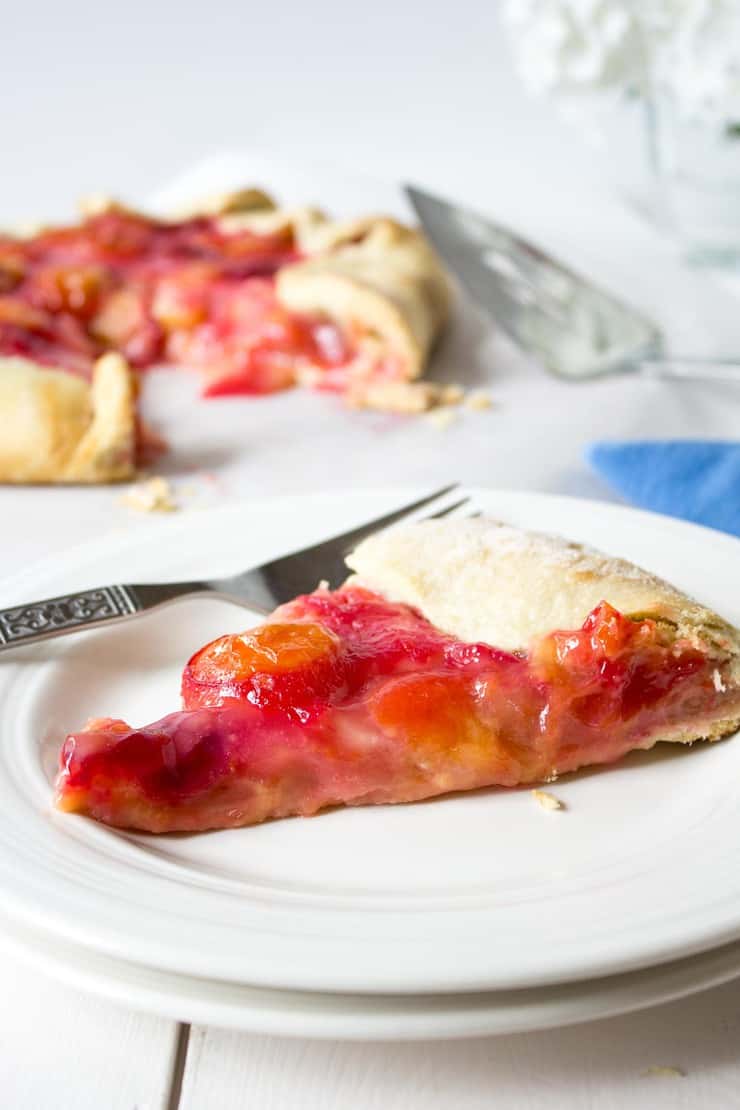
(123, 98)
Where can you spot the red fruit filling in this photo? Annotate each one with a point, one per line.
(183, 293)
(294, 666)
(346, 698)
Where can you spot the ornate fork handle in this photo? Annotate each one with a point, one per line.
(41, 620)
(259, 588)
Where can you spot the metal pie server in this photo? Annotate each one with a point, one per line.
(574, 328)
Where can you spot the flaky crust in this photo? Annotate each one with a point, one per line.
(373, 276)
(57, 427)
(485, 581)
(386, 280)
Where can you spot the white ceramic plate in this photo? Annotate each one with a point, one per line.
(484, 891)
(377, 1017)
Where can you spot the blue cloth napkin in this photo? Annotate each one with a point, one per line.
(693, 479)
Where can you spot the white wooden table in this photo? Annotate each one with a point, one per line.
(61, 1049)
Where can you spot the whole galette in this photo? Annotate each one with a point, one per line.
(257, 298)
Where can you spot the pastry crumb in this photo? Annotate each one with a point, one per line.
(450, 394)
(547, 800)
(414, 398)
(478, 400)
(405, 397)
(717, 681)
(154, 495)
(441, 418)
(663, 1071)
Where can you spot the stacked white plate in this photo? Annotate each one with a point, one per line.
(480, 913)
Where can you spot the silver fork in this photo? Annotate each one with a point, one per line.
(260, 588)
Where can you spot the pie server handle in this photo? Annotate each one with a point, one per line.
(712, 370)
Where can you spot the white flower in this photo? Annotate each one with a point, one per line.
(576, 45)
(689, 47)
(700, 61)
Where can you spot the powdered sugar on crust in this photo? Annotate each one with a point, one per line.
(486, 581)
(481, 537)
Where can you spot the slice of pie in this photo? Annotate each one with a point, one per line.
(257, 298)
(462, 655)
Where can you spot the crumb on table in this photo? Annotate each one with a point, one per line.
(478, 400)
(414, 398)
(450, 394)
(663, 1071)
(441, 418)
(153, 495)
(403, 397)
(547, 800)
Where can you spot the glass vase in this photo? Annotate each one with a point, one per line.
(696, 162)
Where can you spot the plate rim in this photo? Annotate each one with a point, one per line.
(319, 1015)
(58, 564)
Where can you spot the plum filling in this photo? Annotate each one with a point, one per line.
(185, 293)
(346, 698)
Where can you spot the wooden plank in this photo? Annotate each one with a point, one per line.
(63, 1049)
(583, 1067)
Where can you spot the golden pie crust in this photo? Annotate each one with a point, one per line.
(58, 427)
